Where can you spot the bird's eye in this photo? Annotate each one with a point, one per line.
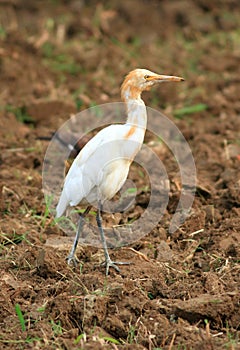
(146, 76)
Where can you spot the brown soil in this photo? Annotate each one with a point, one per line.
(182, 291)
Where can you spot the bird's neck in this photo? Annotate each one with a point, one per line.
(136, 108)
(136, 113)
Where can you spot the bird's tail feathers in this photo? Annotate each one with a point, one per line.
(62, 204)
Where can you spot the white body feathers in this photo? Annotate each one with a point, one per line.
(101, 168)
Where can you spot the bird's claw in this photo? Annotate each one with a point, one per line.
(71, 260)
(109, 263)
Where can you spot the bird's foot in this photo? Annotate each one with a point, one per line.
(109, 263)
(71, 259)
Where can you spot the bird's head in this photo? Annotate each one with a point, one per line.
(140, 80)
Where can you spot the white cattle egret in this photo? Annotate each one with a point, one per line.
(101, 168)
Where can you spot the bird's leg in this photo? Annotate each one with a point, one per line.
(71, 257)
(108, 261)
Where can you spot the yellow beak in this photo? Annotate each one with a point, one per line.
(159, 78)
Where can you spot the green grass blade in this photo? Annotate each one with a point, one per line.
(200, 107)
(111, 340)
(20, 317)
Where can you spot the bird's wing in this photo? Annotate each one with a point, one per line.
(104, 136)
(93, 163)
(81, 177)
